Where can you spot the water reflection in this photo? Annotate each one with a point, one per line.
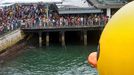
(71, 60)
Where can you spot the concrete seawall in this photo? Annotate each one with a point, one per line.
(10, 39)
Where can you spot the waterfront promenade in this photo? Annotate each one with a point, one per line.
(34, 18)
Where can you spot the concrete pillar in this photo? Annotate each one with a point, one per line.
(63, 38)
(109, 12)
(81, 36)
(47, 39)
(85, 38)
(40, 39)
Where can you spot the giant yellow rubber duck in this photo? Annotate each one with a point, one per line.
(116, 55)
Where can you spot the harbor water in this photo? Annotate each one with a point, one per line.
(55, 60)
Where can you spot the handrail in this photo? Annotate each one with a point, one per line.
(60, 27)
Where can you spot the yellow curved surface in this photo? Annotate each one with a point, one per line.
(117, 44)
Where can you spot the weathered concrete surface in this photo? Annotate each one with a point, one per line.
(10, 39)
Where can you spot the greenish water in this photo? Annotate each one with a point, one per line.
(55, 60)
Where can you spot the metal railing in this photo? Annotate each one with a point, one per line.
(5, 29)
(54, 25)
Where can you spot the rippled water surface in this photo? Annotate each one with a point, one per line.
(71, 60)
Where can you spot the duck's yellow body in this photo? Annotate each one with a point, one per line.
(117, 44)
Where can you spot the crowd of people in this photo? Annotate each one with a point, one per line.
(14, 16)
(65, 21)
(81, 20)
(35, 16)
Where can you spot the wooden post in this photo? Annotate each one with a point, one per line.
(81, 36)
(47, 39)
(40, 39)
(63, 38)
(85, 38)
